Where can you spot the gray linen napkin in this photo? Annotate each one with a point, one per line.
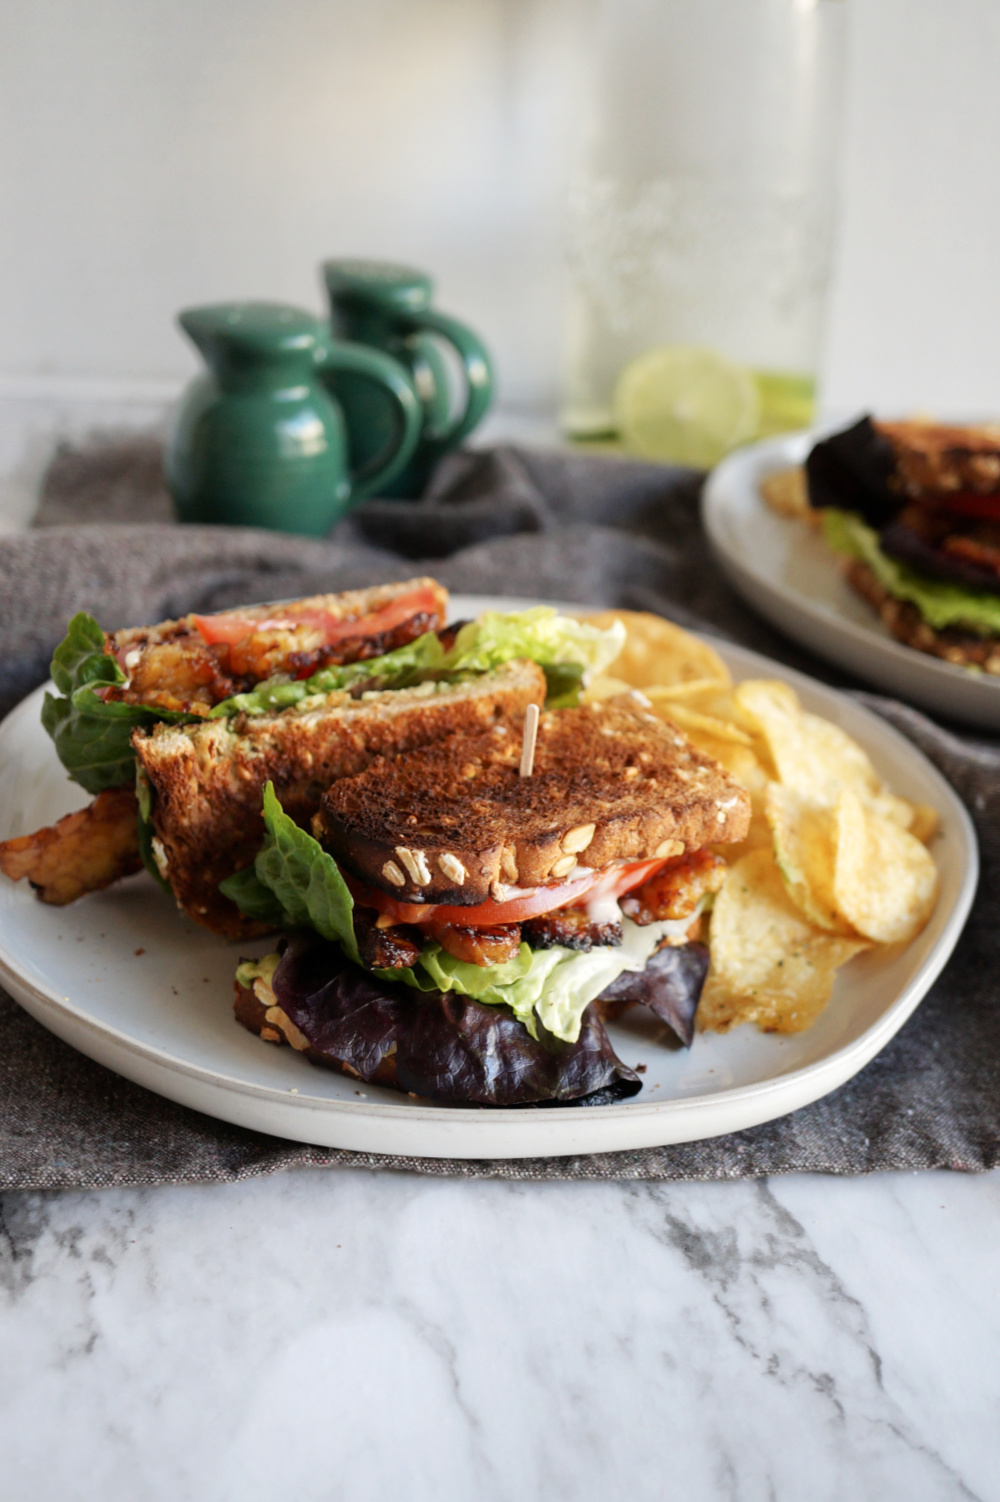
(503, 521)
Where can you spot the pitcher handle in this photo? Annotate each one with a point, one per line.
(383, 371)
(476, 364)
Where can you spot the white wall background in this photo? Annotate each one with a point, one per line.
(158, 154)
(169, 152)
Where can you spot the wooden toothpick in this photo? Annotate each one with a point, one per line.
(528, 743)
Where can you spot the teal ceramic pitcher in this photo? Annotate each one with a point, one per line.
(388, 307)
(259, 440)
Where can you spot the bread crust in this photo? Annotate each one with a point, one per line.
(456, 823)
(208, 779)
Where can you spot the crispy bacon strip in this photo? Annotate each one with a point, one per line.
(84, 852)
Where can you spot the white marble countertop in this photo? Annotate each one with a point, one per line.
(322, 1335)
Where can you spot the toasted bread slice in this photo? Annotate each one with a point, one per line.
(208, 779)
(456, 823)
(940, 458)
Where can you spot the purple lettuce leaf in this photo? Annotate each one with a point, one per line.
(851, 470)
(440, 1045)
(900, 541)
(670, 986)
(458, 1048)
(344, 1012)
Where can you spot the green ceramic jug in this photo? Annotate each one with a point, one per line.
(258, 439)
(388, 307)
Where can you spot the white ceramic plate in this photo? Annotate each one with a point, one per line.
(789, 574)
(123, 977)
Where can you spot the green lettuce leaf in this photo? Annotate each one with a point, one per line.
(254, 900)
(552, 986)
(400, 668)
(541, 634)
(567, 650)
(144, 798)
(81, 658)
(93, 738)
(305, 884)
(263, 969)
(940, 603)
(563, 685)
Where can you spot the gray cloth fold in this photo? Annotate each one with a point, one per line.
(503, 521)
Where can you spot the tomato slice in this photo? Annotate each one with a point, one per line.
(531, 903)
(233, 629)
(967, 503)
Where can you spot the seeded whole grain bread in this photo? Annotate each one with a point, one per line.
(347, 605)
(940, 458)
(207, 780)
(456, 823)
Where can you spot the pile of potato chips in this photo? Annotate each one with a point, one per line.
(834, 862)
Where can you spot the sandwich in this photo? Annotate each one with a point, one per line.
(111, 684)
(914, 509)
(459, 928)
(176, 730)
(201, 786)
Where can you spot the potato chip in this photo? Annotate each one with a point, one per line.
(687, 720)
(658, 652)
(787, 493)
(816, 758)
(804, 848)
(885, 881)
(832, 860)
(770, 965)
(925, 823)
(812, 756)
(725, 707)
(606, 687)
(696, 688)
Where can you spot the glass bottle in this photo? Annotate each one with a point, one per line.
(702, 223)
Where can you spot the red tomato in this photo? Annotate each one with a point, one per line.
(968, 503)
(529, 904)
(232, 628)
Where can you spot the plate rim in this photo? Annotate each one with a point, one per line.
(827, 1073)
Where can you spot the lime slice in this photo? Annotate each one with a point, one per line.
(787, 402)
(685, 405)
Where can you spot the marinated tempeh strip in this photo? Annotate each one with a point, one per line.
(82, 853)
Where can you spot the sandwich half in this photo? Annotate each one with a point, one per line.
(459, 931)
(110, 684)
(203, 784)
(914, 509)
(179, 785)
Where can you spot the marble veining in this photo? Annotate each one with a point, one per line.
(368, 1336)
